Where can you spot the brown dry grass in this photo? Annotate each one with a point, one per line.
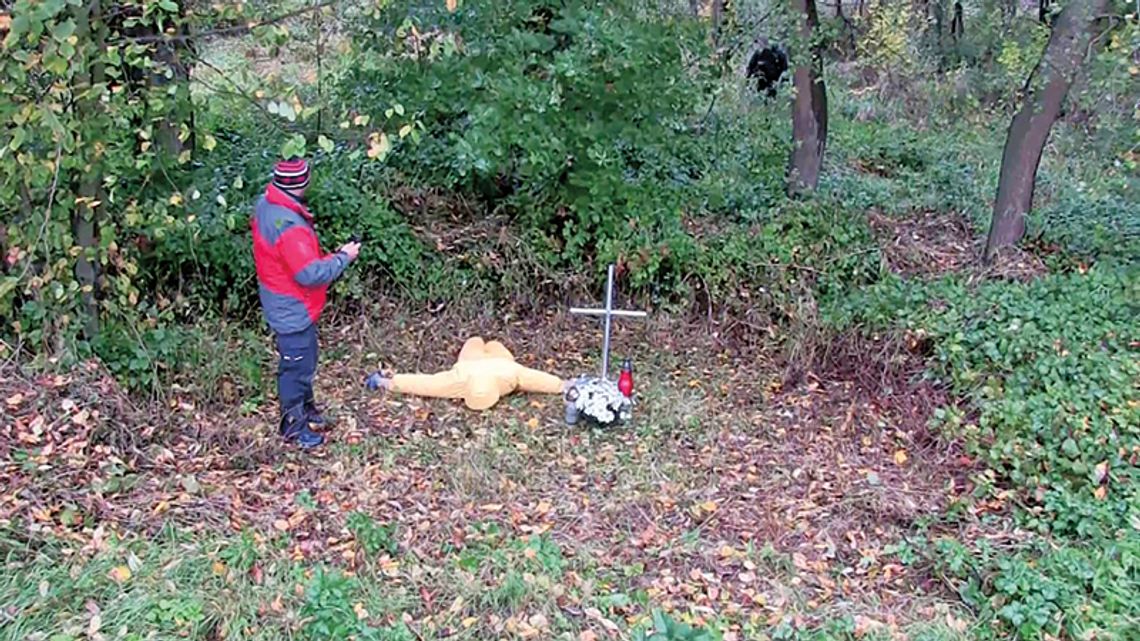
(721, 460)
(929, 245)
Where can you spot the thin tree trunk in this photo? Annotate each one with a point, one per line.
(84, 220)
(939, 43)
(717, 16)
(809, 110)
(1043, 96)
(172, 55)
(957, 24)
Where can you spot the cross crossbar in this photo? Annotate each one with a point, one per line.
(608, 313)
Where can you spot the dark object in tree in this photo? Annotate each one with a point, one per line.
(767, 66)
(809, 111)
(1041, 103)
(957, 25)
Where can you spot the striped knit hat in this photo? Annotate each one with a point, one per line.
(291, 174)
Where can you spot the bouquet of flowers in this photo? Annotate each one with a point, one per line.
(598, 400)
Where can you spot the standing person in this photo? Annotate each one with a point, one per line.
(293, 277)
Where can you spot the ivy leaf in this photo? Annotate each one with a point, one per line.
(325, 144)
(1069, 447)
(286, 111)
(295, 146)
(62, 31)
(19, 135)
(379, 146)
(209, 143)
(405, 130)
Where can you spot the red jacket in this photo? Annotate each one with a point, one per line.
(292, 273)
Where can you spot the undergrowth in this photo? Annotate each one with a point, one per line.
(1047, 373)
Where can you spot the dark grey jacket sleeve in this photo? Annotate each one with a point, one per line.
(323, 271)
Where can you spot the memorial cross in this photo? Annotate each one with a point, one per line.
(608, 313)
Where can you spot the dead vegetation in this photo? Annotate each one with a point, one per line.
(929, 245)
(722, 458)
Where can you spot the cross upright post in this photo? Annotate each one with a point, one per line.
(608, 312)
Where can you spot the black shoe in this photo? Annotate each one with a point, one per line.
(294, 429)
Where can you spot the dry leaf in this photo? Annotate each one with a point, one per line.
(120, 574)
(900, 457)
(281, 524)
(1101, 471)
(1100, 492)
(361, 613)
(863, 625)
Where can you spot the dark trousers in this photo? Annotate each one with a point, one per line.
(296, 365)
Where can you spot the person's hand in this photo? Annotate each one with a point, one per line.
(377, 381)
(352, 250)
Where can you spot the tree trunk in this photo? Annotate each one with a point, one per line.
(809, 110)
(1043, 96)
(939, 43)
(172, 56)
(85, 218)
(957, 24)
(717, 16)
(1043, 11)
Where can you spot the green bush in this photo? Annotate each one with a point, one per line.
(1047, 372)
(575, 119)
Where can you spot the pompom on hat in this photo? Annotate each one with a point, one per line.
(291, 174)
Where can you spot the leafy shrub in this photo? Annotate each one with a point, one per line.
(573, 120)
(373, 537)
(1076, 590)
(666, 628)
(330, 611)
(1047, 373)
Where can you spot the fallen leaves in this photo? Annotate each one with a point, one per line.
(120, 574)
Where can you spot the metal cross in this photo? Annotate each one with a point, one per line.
(608, 312)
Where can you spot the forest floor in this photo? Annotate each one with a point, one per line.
(736, 497)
